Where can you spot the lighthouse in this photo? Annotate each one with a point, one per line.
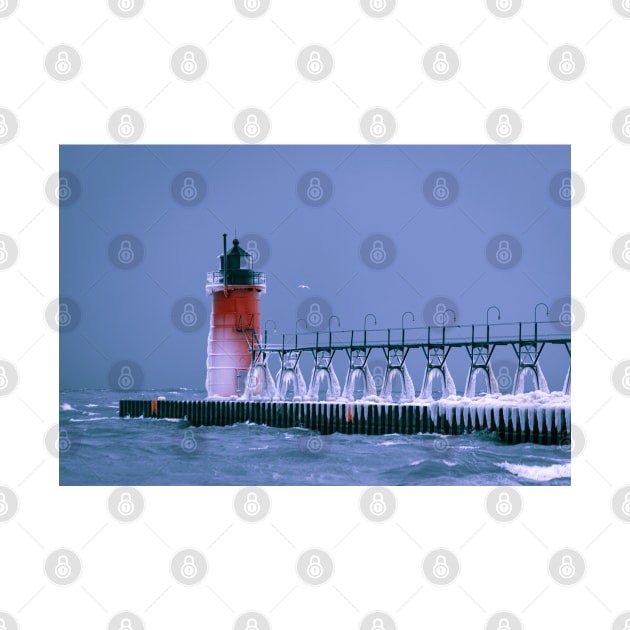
(235, 320)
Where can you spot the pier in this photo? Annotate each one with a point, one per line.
(286, 401)
(540, 425)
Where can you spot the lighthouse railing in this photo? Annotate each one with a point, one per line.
(216, 279)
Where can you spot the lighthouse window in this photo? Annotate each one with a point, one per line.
(246, 262)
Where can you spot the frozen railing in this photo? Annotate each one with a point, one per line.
(453, 335)
(215, 279)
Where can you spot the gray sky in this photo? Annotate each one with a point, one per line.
(369, 229)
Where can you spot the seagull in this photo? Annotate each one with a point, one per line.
(304, 286)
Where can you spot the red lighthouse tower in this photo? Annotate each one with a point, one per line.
(235, 320)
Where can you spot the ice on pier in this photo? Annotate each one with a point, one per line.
(445, 378)
(358, 377)
(540, 383)
(260, 384)
(324, 375)
(473, 375)
(407, 388)
(291, 377)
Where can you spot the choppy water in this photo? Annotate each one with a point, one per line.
(103, 449)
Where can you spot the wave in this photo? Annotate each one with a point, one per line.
(538, 473)
(66, 407)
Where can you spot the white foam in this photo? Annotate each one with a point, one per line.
(538, 473)
(68, 407)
